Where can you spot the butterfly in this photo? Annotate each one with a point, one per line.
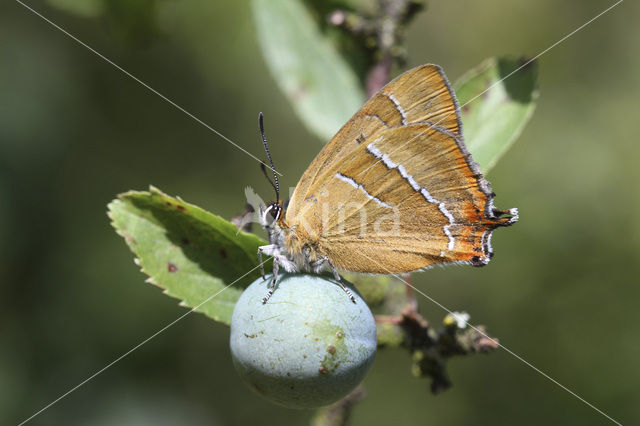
(394, 191)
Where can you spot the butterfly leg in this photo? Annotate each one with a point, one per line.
(272, 286)
(279, 260)
(339, 279)
(269, 250)
(260, 262)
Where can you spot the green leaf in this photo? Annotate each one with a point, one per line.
(190, 253)
(493, 119)
(82, 8)
(323, 89)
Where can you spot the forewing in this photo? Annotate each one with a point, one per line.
(421, 94)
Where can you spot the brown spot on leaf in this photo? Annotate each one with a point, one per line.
(331, 349)
(171, 267)
(185, 241)
(323, 370)
(181, 208)
(223, 253)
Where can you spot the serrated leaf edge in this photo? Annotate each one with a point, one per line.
(136, 260)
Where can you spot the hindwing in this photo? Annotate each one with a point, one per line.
(396, 190)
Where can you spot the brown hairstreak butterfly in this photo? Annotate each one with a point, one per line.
(394, 191)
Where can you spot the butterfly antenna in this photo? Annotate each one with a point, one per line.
(273, 169)
(263, 167)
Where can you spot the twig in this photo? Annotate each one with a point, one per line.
(389, 319)
(383, 34)
(243, 221)
(338, 413)
(411, 297)
(430, 349)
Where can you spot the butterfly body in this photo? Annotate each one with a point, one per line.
(394, 191)
(293, 250)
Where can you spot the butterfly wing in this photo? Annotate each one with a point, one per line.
(422, 94)
(404, 194)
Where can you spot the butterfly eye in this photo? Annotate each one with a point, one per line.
(275, 212)
(272, 214)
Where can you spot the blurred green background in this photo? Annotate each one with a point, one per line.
(562, 290)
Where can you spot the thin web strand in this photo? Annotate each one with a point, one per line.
(124, 355)
(503, 79)
(143, 83)
(509, 351)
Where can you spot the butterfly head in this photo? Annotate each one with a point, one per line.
(271, 215)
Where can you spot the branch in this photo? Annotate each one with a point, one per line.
(337, 414)
(244, 221)
(431, 349)
(383, 34)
